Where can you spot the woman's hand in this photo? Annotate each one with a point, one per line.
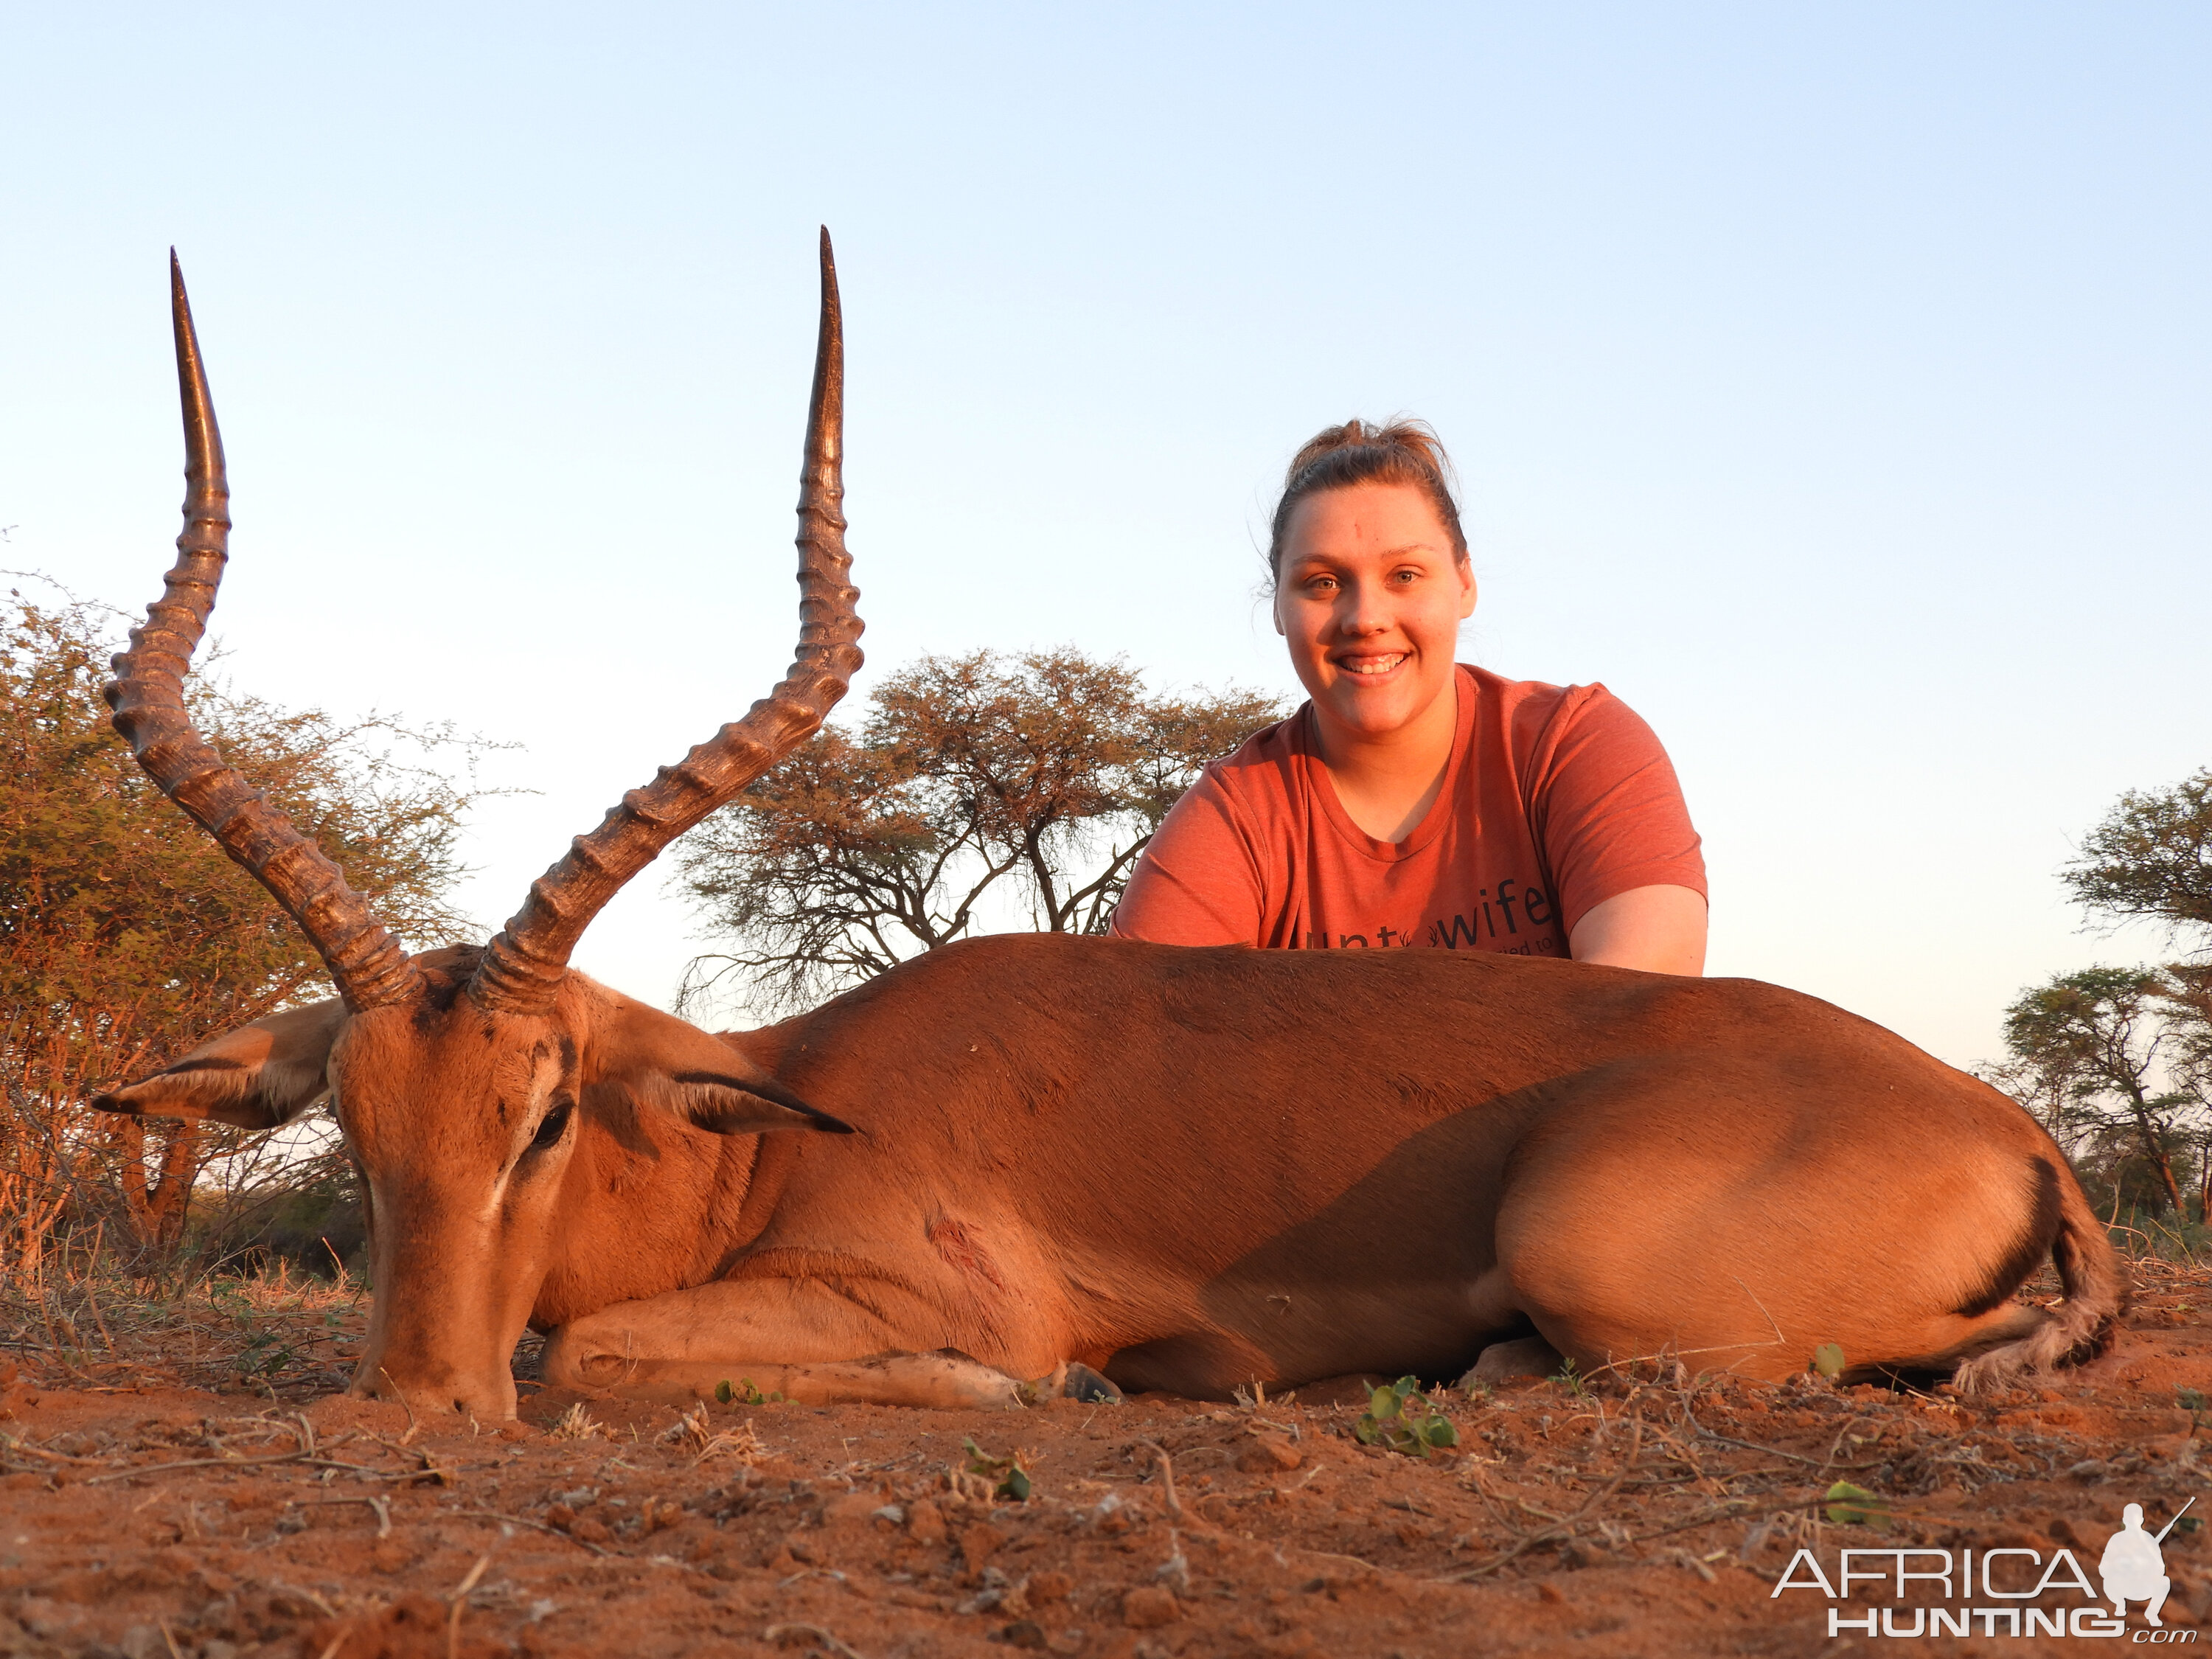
(1660, 929)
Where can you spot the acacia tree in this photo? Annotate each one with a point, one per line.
(2151, 858)
(1038, 776)
(2118, 1062)
(2090, 1048)
(127, 938)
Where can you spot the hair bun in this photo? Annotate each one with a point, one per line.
(1404, 451)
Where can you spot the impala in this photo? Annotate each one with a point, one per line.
(1020, 1160)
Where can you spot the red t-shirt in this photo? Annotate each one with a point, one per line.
(1556, 800)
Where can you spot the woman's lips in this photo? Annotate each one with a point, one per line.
(1371, 667)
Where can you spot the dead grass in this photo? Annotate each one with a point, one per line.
(577, 1423)
(78, 1320)
(695, 1433)
(1651, 1512)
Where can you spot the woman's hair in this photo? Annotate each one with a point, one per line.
(1406, 452)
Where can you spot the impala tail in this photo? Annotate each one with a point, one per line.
(2079, 1328)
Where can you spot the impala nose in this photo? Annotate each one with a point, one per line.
(487, 1400)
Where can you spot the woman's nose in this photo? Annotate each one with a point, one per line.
(1360, 612)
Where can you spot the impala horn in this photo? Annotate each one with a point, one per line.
(147, 697)
(522, 967)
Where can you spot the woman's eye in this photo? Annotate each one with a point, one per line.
(552, 1125)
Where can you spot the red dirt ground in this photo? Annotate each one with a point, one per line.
(151, 1520)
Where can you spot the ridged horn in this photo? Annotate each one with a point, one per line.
(147, 697)
(523, 966)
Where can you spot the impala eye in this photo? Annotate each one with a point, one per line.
(552, 1125)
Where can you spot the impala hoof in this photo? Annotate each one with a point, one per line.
(1085, 1384)
(1068, 1381)
(1511, 1362)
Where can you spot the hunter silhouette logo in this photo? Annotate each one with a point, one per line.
(2002, 1580)
(2133, 1566)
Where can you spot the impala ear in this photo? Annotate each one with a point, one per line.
(724, 1102)
(254, 1078)
(666, 1063)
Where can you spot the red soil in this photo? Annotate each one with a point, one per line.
(1649, 1519)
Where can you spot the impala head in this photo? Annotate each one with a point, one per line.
(464, 1078)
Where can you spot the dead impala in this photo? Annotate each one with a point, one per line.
(1018, 1156)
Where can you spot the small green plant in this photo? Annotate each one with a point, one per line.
(744, 1393)
(1854, 1506)
(1402, 1419)
(1569, 1377)
(1828, 1360)
(263, 1349)
(1009, 1478)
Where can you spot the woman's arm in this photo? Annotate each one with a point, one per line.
(1661, 929)
(1194, 884)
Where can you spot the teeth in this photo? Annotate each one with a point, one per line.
(1374, 665)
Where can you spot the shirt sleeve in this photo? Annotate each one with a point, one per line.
(1197, 882)
(1607, 808)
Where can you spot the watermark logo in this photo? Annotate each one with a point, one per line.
(2133, 1566)
(2131, 1569)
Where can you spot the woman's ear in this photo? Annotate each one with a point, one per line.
(1467, 580)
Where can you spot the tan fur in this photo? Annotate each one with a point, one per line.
(1193, 1168)
(1197, 1168)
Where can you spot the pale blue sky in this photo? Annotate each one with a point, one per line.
(1831, 382)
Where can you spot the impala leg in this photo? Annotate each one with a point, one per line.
(1626, 1237)
(799, 1338)
(946, 1380)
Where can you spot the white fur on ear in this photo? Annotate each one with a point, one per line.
(244, 1099)
(725, 1104)
(257, 1077)
(661, 1063)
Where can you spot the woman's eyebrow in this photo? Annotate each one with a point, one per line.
(1298, 559)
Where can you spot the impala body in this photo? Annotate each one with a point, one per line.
(1020, 1160)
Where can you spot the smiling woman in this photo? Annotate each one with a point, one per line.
(1414, 800)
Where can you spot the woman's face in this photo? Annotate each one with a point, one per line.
(1370, 596)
